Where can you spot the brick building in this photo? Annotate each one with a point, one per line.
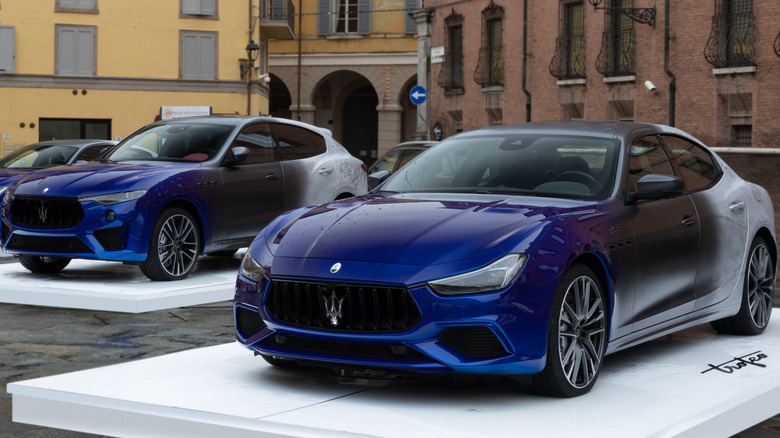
(709, 67)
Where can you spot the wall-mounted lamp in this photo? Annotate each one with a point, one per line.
(266, 78)
(252, 51)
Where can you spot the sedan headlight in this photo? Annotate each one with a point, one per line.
(251, 269)
(494, 276)
(115, 198)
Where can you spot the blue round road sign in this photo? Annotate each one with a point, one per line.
(417, 94)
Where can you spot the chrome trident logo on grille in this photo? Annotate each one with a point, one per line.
(43, 212)
(333, 308)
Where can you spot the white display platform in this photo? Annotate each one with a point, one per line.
(113, 286)
(660, 389)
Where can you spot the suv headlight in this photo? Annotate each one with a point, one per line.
(115, 198)
(495, 276)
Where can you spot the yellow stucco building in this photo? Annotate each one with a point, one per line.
(351, 71)
(104, 68)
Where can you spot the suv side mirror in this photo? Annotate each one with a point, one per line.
(237, 155)
(655, 186)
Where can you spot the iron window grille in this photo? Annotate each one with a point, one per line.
(731, 42)
(490, 65)
(616, 57)
(742, 136)
(568, 62)
(451, 73)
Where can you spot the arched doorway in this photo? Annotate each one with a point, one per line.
(279, 99)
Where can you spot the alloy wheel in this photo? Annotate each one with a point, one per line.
(760, 285)
(177, 245)
(581, 332)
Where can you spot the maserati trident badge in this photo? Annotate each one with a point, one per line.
(43, 212)
(333, 308)
(335, 268)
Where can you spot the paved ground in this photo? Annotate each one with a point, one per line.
(41, 341)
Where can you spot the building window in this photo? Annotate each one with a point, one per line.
(410, 27)
(451, 73)
(198, 53)
(569, 59)
(617, 44)
(57, 129)
(343, 17)
(75, 50)
(731, 42)
(742, 136)
(206, 8)
(88, 6)
(490, 66)
(7, 49)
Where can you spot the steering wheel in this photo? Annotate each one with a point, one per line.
(579, 177)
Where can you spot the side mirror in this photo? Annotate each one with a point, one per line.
(377, 178)
(655, 186)
(237, 155)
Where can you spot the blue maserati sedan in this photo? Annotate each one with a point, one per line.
(533, 249)
(174, 190)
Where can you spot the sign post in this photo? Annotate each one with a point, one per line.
(418, 94)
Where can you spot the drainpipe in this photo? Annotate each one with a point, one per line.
(525, 59)
(672, 79)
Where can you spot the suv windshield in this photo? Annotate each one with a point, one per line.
(174, 142)
(537, 165)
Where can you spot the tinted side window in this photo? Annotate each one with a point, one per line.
(91, 153)
(296, 142)
(387, 162)
(408, 155)
(647, 156)
(257, 138)
(691, 163)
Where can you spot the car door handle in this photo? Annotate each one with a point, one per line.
(688, 221)
(272, 176)
(325, 171)
(737, 206)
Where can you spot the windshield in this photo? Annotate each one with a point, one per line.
(174, 142)
(38, 157)
(537, 165)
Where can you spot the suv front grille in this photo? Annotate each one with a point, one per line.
(340, 307)
(46, 212)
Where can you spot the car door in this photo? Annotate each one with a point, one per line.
(252, 193)
(309, 178)
(666, 242)
(721, 206)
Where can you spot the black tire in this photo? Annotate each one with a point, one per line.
(43, 265)
(173, 246)
(757, 296)
(577, 336)
(279, 362)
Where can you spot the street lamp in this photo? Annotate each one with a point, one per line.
(252, 52)
(640, 15)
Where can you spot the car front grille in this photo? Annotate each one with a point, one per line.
(343, 348)
(46, 212)
(340, 307)
(70, 244)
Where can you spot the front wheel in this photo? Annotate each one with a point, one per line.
(757, 294)
(44, 265)
(577, 336)
(173, 247)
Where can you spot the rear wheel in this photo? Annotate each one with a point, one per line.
(173, 248)
(757, 296)
(577, 337)
(44, 265)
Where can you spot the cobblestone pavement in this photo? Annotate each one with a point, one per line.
(43, 341)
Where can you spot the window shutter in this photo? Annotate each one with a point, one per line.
(189, 54)
(208, 7)
(198, 57)
(364, 17)
(410, 27)
(85, 4)
(66, 52)
(69, 4)
(277, 10)
(323, 17)
(208, 57)
(85, 51)
(7, 48)
(190, 7)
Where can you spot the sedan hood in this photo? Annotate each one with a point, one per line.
(93, 178)
(7, 176)
(412, 229)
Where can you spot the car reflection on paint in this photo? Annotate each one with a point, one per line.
(532, 249)
(174, 190)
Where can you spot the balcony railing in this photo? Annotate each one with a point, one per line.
(731, 42)
(490, 67)
(277, 19)
(616, 57)
(451, 73)
(568, 62)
